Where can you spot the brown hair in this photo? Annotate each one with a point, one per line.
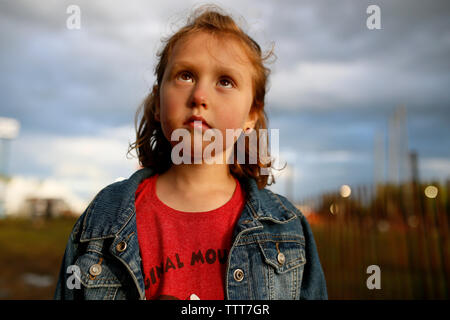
(152, 147)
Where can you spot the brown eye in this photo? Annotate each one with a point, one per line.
(226, 83)
(184, 76)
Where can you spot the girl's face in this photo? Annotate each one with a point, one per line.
(208, 77)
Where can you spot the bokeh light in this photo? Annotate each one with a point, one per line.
(345, 191)
(431, 192)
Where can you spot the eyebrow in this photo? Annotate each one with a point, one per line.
(220, 69)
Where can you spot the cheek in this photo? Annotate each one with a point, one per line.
(169, 113)
(173, 103)
(233, 117)
(169, 104)
(229, 120)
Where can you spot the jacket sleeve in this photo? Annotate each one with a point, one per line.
(313, 285)
(66, 287)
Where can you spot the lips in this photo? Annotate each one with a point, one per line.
(194, 122)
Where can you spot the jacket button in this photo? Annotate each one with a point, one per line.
(95, 269)
(238, 275)
(121, 246)
(281, 258)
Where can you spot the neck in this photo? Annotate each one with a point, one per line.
(200, 177)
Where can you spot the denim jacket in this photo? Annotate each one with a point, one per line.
(273, 253)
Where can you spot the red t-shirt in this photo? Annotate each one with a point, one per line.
(184, 254)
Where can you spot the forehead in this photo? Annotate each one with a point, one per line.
(223, 51)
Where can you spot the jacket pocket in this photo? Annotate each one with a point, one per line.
(98, 276)
(285, 260)
(283, 255)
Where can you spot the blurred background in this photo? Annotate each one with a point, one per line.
(363, 114)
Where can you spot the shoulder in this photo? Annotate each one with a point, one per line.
(279, 202)
(268, 205)
(275, 207)
(111, 208)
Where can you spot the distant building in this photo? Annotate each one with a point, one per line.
(32, 197)
(47, 208)
(9, 129)
(401, 162)
(398, 156)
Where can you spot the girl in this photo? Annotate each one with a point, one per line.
(196, 230)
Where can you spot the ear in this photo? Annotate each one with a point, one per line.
(251, 120)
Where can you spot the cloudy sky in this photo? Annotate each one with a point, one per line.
(334, 85)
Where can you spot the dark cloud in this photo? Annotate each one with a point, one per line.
(334, 85)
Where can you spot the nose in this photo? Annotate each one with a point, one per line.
(199, 97)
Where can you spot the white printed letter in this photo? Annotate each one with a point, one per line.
(184, 146)
(374, 20)
(74, 20)
(73, 281)
(374, 281)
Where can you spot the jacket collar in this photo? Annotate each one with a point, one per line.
(114, 207)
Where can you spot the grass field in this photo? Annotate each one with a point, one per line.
(409, 262)
(30, 256)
